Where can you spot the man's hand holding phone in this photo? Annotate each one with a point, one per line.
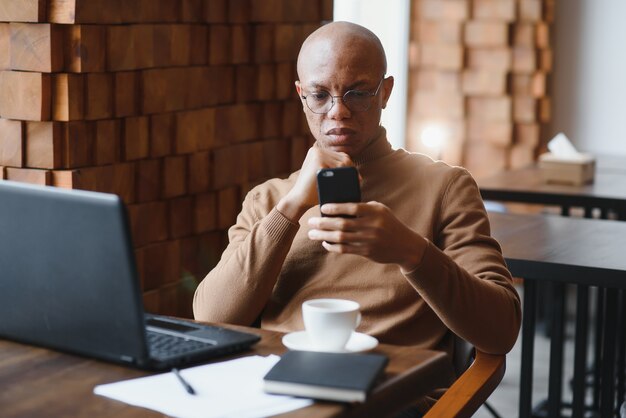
(367, 229)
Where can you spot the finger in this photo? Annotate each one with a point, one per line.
(333, 223)
(353, 209)
(373, 206)
(337, 209)
(341, 248)
(330, 158)
(334, 236)
(343, 158)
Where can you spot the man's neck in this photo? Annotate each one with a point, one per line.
(377, 147)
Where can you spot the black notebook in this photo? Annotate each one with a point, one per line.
(346, 377)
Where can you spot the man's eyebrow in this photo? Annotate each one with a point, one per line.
(358, 84)
(315, 85)
(353, 86)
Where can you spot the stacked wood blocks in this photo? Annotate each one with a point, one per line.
(478, 72)
(178, 106)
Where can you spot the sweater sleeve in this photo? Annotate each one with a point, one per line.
(463, 276)
(238, 288)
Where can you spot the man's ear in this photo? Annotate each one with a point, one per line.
(387, 87)
(298, 88)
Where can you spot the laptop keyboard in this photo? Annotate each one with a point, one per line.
(165, 345)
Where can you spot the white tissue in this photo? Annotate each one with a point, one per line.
(561, 147)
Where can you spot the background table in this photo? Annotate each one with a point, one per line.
(526, 185)
(39, 382)
(584, 252)
(607, 194)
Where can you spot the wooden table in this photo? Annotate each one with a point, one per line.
(584, 252)
(607, 193)
(525, 185)
(39, 382)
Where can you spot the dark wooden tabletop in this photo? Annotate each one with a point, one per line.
(36, 382)
(526, 185)
(611, 163)
(573, 250)
(585, 252)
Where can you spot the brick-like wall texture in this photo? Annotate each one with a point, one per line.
(479, 72)
(178, 106)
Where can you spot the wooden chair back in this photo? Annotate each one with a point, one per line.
(472, 388)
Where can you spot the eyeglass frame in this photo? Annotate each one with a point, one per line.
(333, 101)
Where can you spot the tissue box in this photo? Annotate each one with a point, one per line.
(575, 171)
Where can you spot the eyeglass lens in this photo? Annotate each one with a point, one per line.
(354, 100)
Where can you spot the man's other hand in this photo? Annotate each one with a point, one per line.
(303, 195)
(374, 232)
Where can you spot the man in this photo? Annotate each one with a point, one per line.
(417, 256)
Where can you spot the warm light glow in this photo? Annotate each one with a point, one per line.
(434, 136)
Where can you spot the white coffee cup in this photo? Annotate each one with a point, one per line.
(329, 323)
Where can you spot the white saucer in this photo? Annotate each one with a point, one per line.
(299, 340)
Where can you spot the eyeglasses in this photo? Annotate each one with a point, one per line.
(355, 100)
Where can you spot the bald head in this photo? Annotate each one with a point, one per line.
(337, 59)
(354, 43)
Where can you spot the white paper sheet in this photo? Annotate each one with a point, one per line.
(227, 389)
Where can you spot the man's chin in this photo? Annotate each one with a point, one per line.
(348, 147)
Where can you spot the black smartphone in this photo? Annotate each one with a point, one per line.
(338, 185)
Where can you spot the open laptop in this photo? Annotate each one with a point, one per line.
(68, 282)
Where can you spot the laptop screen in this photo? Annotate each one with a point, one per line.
(68, 278)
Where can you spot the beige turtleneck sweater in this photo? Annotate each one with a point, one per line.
(462, 284)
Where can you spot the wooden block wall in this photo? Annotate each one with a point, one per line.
(479, 71)
(178, 106)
